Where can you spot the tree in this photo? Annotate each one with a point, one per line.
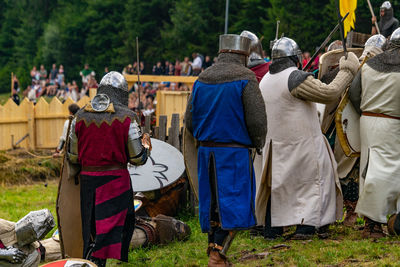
(145, 19)
(307, 22)
(195, 27)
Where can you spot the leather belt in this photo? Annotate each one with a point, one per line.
(215, 144)
(371, 114)
(103, 168)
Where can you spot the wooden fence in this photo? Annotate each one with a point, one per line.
(40, 126)
(34, 126)
(168, 102)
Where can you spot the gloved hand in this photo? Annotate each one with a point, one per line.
(12, 255)
(351, 63)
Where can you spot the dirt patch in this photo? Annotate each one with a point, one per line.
(21, 166)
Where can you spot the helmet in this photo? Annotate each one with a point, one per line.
(233, 43)
(377, 40)
(337, 44)
(395, 38)
(115, 79)
(255, 45)
(386, 5)
(285, 47)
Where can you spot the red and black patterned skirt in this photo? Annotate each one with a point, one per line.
(108, 215)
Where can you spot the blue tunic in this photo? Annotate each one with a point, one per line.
(218, 116)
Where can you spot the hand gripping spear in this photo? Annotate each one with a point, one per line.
(372, 13)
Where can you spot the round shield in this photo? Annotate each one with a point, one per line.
(71, 262)
(163, 167)
(348, 127)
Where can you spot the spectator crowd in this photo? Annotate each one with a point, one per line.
(53, 83)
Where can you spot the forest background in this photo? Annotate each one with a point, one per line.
(102, 32)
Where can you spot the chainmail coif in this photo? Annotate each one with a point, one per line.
(388, 61)
(116, 95)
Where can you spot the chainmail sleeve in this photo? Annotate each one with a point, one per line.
(72, 152)
(316, 91)
(188, 114)
(137, 153)
(254, 113)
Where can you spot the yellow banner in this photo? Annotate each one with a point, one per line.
(348, 6)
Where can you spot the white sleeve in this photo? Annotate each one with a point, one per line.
(64, 134)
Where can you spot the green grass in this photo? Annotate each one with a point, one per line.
(344, 248)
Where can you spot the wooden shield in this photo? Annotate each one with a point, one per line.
(331, 58)
(68, 210)
(347, 122)
(72, 262)
(190, 158)
(69, 215)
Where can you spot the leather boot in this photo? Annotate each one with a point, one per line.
(303, 232)
(216, 259)
(351, 217)
(372, 229)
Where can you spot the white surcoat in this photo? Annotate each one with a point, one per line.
(380, 145)
(299, 169)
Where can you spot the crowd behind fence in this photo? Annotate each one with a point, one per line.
(40, 125)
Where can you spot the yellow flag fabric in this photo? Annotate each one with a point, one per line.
(348, 6)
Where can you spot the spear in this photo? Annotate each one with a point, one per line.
(341, 29)
(324, 43)
(138, 73)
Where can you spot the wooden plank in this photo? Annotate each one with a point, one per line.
(162, 128)
(13, 120)
(31, 129)
(169, 140)
(169, 102)
(19, 114)
(50, 116)
(161, 78)
(173, 135)
(156, 133)
(147, 124)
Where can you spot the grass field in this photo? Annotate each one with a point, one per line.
(344, 248)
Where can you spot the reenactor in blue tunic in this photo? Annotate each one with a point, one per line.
(226, 115)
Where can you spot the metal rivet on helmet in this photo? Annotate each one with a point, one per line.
(115, 79)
